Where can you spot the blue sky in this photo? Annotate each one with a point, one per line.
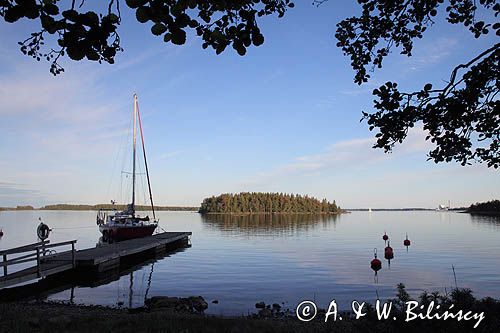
(283, 118)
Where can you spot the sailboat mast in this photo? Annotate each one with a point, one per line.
(134, 148)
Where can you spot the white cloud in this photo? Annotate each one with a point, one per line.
(59, 129)
(170, 154)
(431, 53)
(12, 194)
(354, 153)
(63, 114)
(327, 103)
(62, 134)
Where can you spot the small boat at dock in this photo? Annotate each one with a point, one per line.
(127, 224)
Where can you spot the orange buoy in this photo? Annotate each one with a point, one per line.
(385, 237)
(388, 252)
(406, 242)
(376, 264)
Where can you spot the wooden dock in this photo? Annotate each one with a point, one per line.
(97, 259)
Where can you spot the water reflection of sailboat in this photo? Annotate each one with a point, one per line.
(150, 278)
(131, 286)
(131, 290)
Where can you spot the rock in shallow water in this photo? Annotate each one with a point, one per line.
(260, 305)
(162, 302)
(265, 313)
(178, 304)
(198, 303)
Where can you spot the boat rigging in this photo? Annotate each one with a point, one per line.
(126, 224)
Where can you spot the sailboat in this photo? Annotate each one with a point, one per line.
(122, 225)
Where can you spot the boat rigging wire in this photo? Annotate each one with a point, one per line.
(70, 228)
(146, 163)
(124, 139)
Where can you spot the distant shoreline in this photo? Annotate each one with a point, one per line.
(68, 207)
(389, 209)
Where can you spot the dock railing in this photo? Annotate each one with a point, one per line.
(40, 252)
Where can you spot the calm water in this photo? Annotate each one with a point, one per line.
(242, 260)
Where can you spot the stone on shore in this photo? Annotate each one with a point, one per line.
(266, 313)
(260, 305)
(61, 320)
(177, 304)
(198, 303)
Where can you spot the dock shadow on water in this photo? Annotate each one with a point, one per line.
(269, 224)
(92, 278)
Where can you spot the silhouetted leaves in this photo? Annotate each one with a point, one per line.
(463, 118)
(88, 34)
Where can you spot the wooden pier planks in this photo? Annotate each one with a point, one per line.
(101, 254)
(31, 273)
(99, 258)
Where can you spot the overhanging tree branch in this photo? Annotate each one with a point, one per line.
(462, 118)
(94, 35)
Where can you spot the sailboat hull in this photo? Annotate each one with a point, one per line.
(126, 232)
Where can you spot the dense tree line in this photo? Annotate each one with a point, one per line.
(117, 207)
(100, 206)
(254, 202)
(17, 208)
(490, 206)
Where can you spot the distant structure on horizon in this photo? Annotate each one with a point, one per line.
(443, 207)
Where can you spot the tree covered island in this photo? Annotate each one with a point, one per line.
(257, 203)
(485, 208)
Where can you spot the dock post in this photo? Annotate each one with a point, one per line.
(5, 267)
(73, 254)
(39, 273)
